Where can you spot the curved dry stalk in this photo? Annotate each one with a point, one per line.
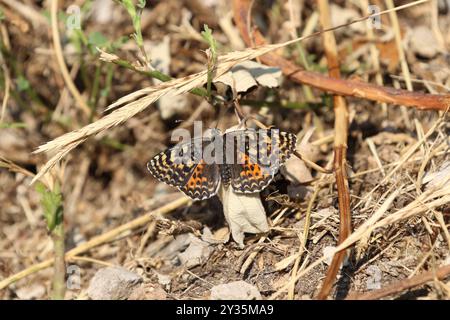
(60, 59)
(398, 42)
(340, 150)
(5, 39)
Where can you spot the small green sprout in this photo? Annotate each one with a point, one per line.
(211, 54)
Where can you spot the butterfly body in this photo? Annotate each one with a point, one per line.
(246, 160)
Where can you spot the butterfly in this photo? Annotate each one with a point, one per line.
(245, 159)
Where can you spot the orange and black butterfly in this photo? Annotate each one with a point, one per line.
(246, 159)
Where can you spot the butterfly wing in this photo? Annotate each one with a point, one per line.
(259, 154)
(168, 166)
(183, 167)
(203, 183)
(249, 177)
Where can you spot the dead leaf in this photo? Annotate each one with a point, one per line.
(244, 212)
(248, 74)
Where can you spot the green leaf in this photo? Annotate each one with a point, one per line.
(208, 36)
(22, 83)
(51, 202)
(97, 39)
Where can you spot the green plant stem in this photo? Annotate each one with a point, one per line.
(157, 75)
(208, 83)
(95, 87)
(307, 91)
(58, 282)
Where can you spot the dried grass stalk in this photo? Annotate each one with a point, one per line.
(138, 101)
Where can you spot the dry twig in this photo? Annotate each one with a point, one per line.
(340, 150)
(402, 285)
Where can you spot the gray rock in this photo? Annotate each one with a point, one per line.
(35, 291)
(238, 290)
(197, 253)
(113, 283)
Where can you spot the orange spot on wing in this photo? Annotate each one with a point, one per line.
(196, 179)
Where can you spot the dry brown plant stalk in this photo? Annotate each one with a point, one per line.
(355, 88)
(340, 150)
(402, 285)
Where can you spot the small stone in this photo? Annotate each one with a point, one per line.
(238, 290)
(423, 42)
(35, 291)
(327, 252)
(113, 283)
(148, 291)
(197, 253)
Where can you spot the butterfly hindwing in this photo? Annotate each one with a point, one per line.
(203, 182)
(249, 177)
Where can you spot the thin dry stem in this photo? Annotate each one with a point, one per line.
(402, 285)
(60, 59)
(340, 150)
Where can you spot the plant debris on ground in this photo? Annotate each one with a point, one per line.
(106, 83)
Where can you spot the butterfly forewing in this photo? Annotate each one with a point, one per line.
(165, 169)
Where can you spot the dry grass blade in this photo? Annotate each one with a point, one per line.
(340, 150)
(62, 145)
(429, 200)
(60, 59)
